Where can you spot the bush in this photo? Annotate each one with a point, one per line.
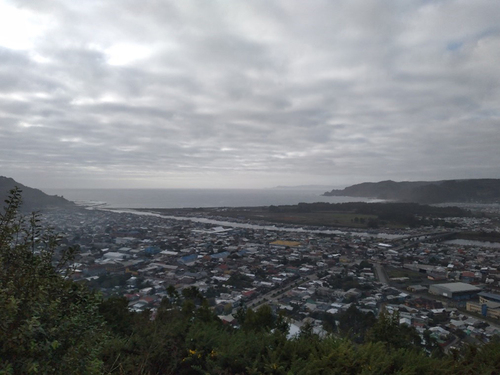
(48, 324)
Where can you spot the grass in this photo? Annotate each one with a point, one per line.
(332, 219)
(414, 276)
(291, 217)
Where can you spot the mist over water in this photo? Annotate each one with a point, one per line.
(190, 198)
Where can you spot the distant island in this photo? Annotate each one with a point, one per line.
(426, 192)
(33, 199)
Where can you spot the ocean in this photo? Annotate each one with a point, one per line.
(192, 198)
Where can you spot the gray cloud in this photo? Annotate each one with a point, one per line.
(249, 94)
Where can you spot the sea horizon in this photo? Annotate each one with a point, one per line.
(196, 197)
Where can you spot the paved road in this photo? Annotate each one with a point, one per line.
(381, 276)
(254, 304)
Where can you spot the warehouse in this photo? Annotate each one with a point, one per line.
(489, 297)
(456, 291)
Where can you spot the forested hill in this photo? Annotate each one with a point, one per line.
(33, 199)
(476, 190)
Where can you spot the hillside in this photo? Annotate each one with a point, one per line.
(477, 190)
(33, 199)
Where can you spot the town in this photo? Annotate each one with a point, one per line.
(312, 276)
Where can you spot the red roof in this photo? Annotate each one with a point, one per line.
(132, 297)
(148, 299)
(468, 274)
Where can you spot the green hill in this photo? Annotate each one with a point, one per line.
(475, 190)
(33, 199)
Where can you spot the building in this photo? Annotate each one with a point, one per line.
(417, 288)
(488, 309)
(489, 305)
(488, 297)
(455, 291)
(116, 256)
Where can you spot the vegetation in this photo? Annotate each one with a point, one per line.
(414, 277)
(33, 199)
(475, 190)
(51, 325)
(351, 214)
(48, 324)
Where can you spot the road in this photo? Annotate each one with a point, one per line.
(275, 294)
(381, 276)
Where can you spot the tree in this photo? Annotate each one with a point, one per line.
(394, 335)
(117, 315)
(354, 324)
(173, 294)
(193, 293)
(260, 320)
(48, 324)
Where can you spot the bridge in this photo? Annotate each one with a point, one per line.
(407, 241)
(426, 237)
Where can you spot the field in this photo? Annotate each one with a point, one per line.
(359, 215)
(330, 219)
(414, 276)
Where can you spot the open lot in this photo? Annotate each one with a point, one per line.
(414, 277)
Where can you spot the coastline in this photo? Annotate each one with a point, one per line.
(196, 198)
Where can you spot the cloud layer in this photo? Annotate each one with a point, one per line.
(127, 93)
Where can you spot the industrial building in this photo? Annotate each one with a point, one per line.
(489, 305)
(455, 291)
(488, 309)
(488, 297)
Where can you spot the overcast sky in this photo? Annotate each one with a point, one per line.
(160, 94)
